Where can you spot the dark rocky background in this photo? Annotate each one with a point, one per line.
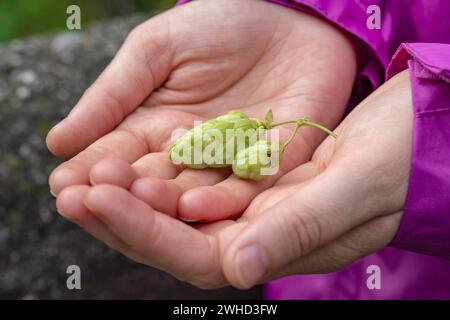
(41, 78)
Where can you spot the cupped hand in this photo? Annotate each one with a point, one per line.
(342, 205)
(192, 63)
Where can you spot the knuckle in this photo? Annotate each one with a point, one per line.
(210, 275)
(150, 239)
(334, 260)
(303, 231)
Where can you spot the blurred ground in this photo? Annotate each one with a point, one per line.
(23, 18)
(40, 80)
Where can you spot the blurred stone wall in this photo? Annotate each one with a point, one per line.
(40, 80)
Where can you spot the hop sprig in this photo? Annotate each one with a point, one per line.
(235, 140)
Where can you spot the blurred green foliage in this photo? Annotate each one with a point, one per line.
(22, 18)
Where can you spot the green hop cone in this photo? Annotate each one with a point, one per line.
(254, 161)
(231, 116)
(182, 150)
(212, 144)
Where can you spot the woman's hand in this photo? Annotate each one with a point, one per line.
(342, 205)
(196, 62)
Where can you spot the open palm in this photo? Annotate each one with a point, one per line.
(192, 63)
(196, 62)
(342, 205)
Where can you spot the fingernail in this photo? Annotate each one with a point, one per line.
(251, 265)
(53, 193)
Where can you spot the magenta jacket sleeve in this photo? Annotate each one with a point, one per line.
(425, 226)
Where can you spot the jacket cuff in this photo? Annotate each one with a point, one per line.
(425, 225)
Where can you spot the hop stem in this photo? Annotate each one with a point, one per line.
(294, 132)
(318, 126)
(277, 124)
(299, 123)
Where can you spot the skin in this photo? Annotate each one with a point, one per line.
(197, 62)
(315, 216)
(342, 205)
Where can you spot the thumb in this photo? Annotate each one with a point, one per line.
(318, 212)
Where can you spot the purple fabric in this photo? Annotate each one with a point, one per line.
(425, 226)
(404, 275)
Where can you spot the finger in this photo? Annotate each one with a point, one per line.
(140, 66)
(160, 194)
(225, 200)
(163, 195)
(156, 164)
(119, 144)
(71, 206)
(359, 242)
(120, 173)
(320, 211)
(191, 178)
(229, 198)
(215, 228)
(168, 244)
(113, 171)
